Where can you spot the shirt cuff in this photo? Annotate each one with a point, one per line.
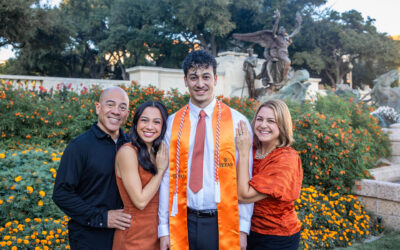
(244, 226)
(163, 230)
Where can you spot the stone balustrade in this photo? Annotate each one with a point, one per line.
(52, 82)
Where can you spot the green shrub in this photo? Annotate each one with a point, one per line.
(49, 117)
(35, 233)
(338, 141)
(44, 117)
(26, 184)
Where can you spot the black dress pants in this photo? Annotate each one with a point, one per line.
(202, 232)
(256, 241)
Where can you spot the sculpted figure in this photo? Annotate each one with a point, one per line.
(382, 94)
(248, 67)
(277, 64)
(295, 88)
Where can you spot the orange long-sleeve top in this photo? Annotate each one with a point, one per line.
(279, 175)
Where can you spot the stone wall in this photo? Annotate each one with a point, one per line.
(161, 78)
(381, 196)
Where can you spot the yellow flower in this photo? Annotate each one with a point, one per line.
(26, 242)
(7, 237)
(2, 156)
(30, 189)
(27, 220)
(42, 193)
(14, 248)
(40, 203)
(1, 202)
(18, 178)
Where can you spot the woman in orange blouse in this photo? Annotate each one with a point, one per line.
(277, 177)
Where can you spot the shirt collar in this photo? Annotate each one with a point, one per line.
(195, 110)
(100, 134)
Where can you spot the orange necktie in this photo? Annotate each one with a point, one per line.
(196, 170)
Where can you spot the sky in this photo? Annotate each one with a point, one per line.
(386, 13)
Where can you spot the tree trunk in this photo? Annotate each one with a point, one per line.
(123, 71)
(330, 78)
(203, 41)
(213, 46)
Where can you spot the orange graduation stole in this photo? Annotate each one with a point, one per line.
(225, 178)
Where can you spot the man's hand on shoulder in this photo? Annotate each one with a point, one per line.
(243, 241)
(118, 219)
(164, 243)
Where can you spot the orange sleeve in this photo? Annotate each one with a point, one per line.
(280, 177)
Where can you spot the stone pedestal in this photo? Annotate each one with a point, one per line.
(231, 77)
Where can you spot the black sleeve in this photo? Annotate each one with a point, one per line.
(65, 193)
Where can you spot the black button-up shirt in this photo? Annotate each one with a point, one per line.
(85, 187)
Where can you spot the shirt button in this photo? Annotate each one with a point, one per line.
(101, 224)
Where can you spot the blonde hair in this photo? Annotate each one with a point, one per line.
(283, 121)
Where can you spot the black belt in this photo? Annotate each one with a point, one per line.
(202, 213)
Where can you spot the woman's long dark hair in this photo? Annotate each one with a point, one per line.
(143, 153)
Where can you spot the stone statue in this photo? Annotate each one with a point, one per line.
(250, 74)
(296, 87)
(277, 64)
(295, 90)
(382, 94)
(346, 91)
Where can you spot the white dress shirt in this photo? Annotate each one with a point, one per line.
(203, 199)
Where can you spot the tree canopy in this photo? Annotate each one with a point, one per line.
(337, 43)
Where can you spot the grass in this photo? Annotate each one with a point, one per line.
(389, 240)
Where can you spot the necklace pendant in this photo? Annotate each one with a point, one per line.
(260, 156)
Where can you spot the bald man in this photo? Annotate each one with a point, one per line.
(85, 187)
